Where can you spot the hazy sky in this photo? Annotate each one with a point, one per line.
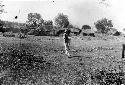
(80, 12)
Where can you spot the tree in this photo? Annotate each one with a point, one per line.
(34, 20)
(104, 25)
(48, 25)
(49, 22)
(1, 22)
(1, 26)
(34, 23)
(46, 28)
(61, 20)
(2, 8)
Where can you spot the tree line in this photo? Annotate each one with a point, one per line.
(36, 25)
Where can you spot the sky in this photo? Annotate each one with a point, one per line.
(80, 12)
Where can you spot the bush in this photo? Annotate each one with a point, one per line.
(22, 35)
(9, 34)
(31, 32)
(103, 25)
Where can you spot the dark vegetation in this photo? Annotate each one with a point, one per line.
(89, 34)
(35, 25)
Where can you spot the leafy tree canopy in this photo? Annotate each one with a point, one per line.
(61, 20)
(103, 25)
(34, 20)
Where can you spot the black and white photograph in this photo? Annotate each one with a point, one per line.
(62, 42)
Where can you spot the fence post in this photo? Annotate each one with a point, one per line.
(123, 49)
(122, 70)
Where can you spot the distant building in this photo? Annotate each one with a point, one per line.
(73, 31)
(117, 33)
(114, 32)
(88, 32)
(60, 31)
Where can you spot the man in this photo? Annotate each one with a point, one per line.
(67, 40)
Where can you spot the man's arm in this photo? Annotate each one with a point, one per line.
(64, 36)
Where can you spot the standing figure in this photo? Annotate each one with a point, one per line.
(67, 40)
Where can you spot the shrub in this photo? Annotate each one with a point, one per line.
(9, 34)
(104, 25)
(22, 35)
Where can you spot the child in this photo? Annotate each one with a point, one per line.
(67, 40)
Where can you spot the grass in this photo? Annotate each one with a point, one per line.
(41, 61)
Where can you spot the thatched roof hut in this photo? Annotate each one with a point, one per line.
(73, 31)
(88, 32)
(117, 33)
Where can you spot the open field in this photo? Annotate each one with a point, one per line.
(87, 55)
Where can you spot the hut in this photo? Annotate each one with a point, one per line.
(73, 31)
(114, 32)
(117, 33)
(88, 32)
